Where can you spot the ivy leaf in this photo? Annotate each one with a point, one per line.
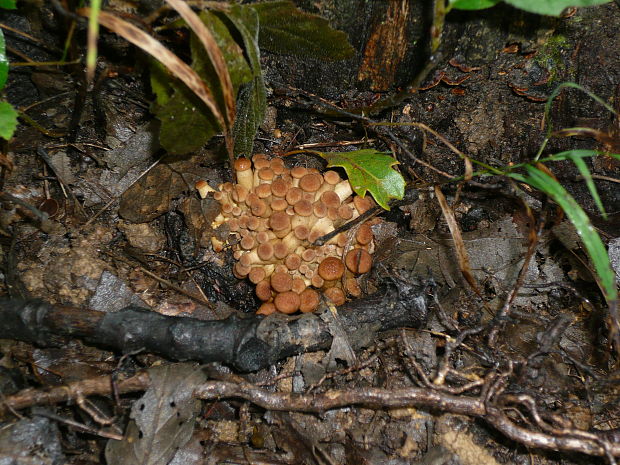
(473, 4)
(252, 99)
(8, 120)
(551, 7)
(286, 29)
(370, 171)
(4, 61)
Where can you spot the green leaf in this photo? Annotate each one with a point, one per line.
(370, 171)
(591, 240)
(8, 120)
(286, 29)
(551, 7)
(8, 4)
(238, 67)
(186, 123)
(252, 99)
(473, 4)
(4, 61)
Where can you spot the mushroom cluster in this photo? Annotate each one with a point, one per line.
(274, 215)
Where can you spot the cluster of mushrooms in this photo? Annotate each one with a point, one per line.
(274, 215)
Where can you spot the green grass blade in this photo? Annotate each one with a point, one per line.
(4, 61)
(591, 240)
(93, 35)
(587, 177)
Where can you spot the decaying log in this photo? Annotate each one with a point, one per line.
(247, 343)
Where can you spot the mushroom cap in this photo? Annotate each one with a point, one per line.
(308, 255)
(301, 232)
(281, 282)
(239, 193)
(311, 182)
(345, 212)
(259, 207)
(319, 209)
(294, 195)
(331, 177)
(266, 174)
(265, 251)
(263, 190)
(336, 295)
(293, 261)
(298, 285)
(362, 204)
(279, 221)
(364, 234)
(279, 205)
(257, 274)
(279, 187)
(287, 302)
(308, 300)
(331, 268)
(303, 208)
(299, 172)
(247, 242)
(280, 250)
(330, 199)
(263, 290)
(277, 165)
(358, 261)
(266, 308)
(317, 281)
(242, 164)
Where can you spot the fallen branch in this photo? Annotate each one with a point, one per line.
(246, 342)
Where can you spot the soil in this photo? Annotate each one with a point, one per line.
(117, 222)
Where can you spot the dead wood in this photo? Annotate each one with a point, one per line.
(247, 343)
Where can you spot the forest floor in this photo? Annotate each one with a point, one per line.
(116, 222)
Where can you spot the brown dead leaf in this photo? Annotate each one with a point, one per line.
(155, 48)
(459, 245)
(215, 55)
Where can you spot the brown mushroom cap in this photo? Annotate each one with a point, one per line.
(242, 164)
(279, 221)
(265, 174)
(247, 242)
(265, 251)
(330, 199)
(293, 261)
(287, 302)
(331, 268)
(281, 282)
(331, 177)
(364, 234)
(241, 270)
(308, 255)
(358, 261)
(345, 212)
(257, 274)
(299, 172)
(263, 290)
(319, 209)
(308, 300)
(298, 285)
(301, 232)
(259, 207)
(279, 187)
(317, 281)
(280, 250)
(311, 182)
(263, 191)
(266, 309)
(279, 205)
(336, 295)
(362, 204)
(294, 195)
(303, 208)
(277, 165)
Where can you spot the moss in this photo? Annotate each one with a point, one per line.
(551, 55)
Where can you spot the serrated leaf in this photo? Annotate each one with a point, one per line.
(8, 4)
(8, 120)
(370, 171)
(252, 100)
(591, 240)
(162, 420)
(552, 7)
(286, 29)
(4, 61)
(473, 4)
